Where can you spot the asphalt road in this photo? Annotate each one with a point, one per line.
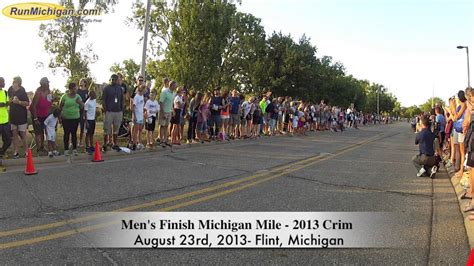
(359, 170)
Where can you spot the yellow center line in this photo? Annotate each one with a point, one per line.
(149, 204)
(288, 170)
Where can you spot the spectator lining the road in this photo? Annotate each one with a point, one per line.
(39, 109)
(137, 108)
(166, 110)
(250, 118)
(71, 106)
(458, 130)
(235, 115)
(425, 159)
(178, 105)
(202, 118)
(82, 91)
(90, 115)
(216, 104)
(113, 104)
(4, 124)
(194, 106)
(19, 102)
(152, 108)
(468, 129)
(140, 81)
(51, 123)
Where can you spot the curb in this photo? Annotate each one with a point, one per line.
(84, 157)
(468, 224)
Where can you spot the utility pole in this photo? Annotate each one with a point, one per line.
(145, 37)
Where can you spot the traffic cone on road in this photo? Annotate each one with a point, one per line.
(30, 167)
(97, 154)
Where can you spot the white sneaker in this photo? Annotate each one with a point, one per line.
(421, 172)
(50, 154)
(434, 169)
(56, 153)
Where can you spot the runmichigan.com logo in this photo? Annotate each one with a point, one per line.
(44, 11)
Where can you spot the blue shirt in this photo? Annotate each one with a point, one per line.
(235, 104)
(441, 121)
(425, 139)
(216, 102)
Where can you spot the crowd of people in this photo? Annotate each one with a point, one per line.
(446, 134)
(210, 116)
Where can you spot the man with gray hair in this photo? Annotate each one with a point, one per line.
(4, 125)
(19, 101)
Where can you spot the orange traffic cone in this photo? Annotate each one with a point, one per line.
(30, 167)
(97, 154)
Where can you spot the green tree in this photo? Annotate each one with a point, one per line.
(193, 36)
(411, 111)
(244, 55)
(129, 69)
(62, 37)
(428, 105)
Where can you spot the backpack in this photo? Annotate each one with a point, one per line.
(458, 124)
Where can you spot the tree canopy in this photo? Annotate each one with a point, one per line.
(203, 44)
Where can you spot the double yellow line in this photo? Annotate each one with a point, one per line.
(229, 187)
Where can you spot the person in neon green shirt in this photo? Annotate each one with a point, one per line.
(5, 129)
(263, 106)
(71, 105)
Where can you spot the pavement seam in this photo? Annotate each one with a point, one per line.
(300, 164)
(431, 224)
(360, 188)
(60, 210)
(102, 252)
(41, 206)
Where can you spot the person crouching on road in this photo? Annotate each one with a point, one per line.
(425, 140)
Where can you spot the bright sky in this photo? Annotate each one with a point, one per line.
(409, 46)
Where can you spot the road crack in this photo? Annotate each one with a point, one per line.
(360, 188)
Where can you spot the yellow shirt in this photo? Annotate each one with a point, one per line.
(4, 109)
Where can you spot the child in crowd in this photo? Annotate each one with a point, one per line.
(138, 106)
(301, 121)
(294, 118)
(151, 109)
(90, 112)
(50, 123)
